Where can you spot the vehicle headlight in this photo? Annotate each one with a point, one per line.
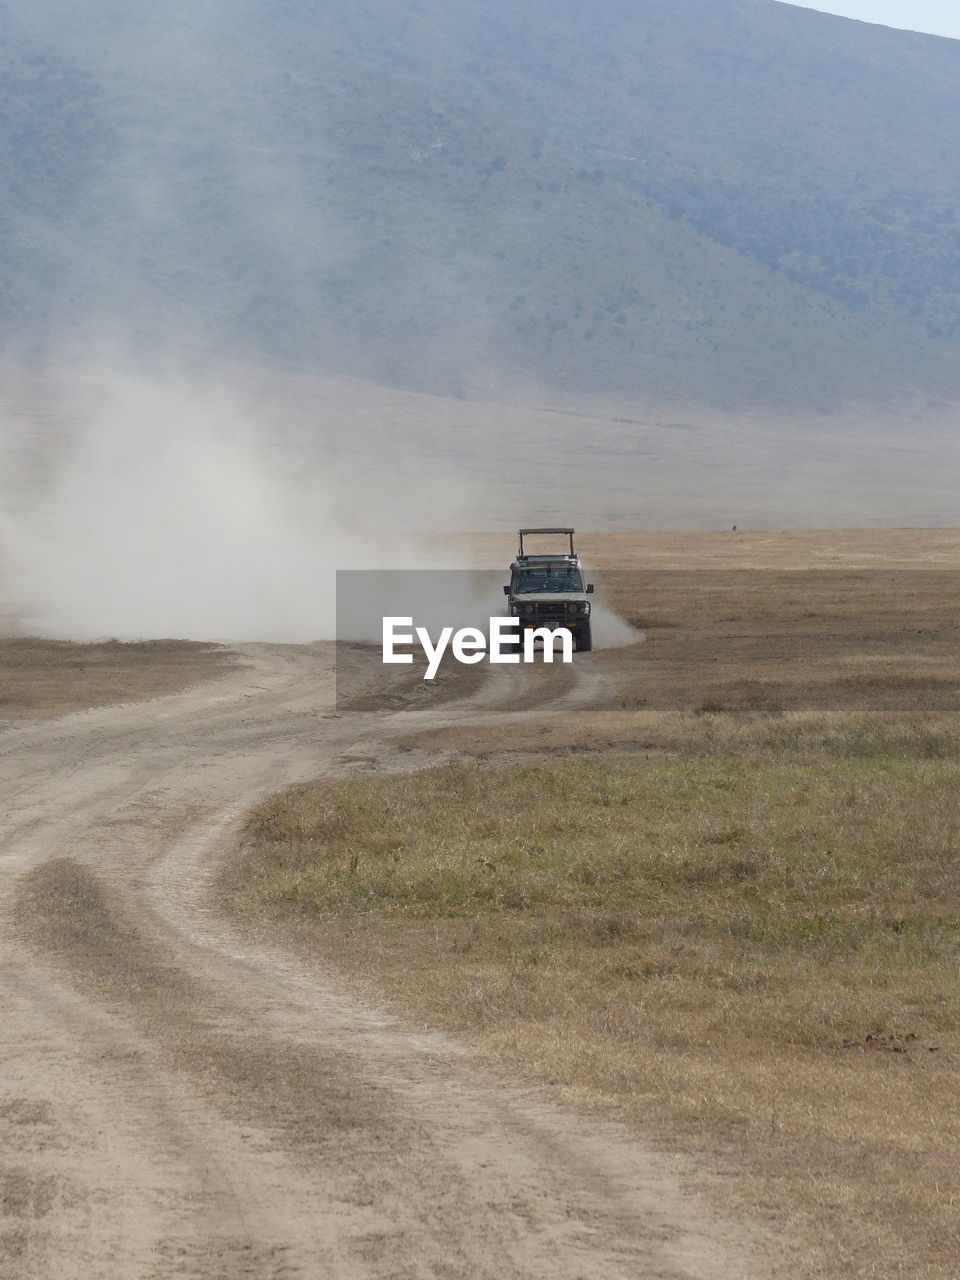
(529, 608)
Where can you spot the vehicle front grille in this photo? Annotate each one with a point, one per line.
(550, 614)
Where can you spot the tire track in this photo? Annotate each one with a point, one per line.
(183, 1098)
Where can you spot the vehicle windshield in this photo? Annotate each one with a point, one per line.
(527, 581)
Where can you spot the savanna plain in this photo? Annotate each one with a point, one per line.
(719, 896)
(702, 887)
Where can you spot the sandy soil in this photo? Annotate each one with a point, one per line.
(180, 1099)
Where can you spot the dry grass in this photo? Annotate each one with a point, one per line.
(743, 931)
(725, 549)
(752, 949)
(53, 677)
(686, 733)
(750, 642)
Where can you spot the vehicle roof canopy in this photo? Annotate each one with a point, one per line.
(564, 532)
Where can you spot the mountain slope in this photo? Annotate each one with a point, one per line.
(726, 201)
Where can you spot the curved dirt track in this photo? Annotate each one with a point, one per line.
(180, 1099)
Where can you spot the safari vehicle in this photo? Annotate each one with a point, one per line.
(548, 590)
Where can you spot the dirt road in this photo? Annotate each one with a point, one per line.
(180, 1099)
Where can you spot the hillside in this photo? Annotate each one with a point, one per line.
(724, 202)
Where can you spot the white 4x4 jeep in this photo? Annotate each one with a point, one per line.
(549, 591)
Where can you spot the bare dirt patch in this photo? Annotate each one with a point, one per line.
(40, 677)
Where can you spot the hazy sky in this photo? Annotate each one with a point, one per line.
(941, 17)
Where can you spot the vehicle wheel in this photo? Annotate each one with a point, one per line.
(584, 638)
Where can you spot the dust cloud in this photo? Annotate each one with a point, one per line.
(149, 488)
(610, 631)
(169, 509)
(202, 505)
